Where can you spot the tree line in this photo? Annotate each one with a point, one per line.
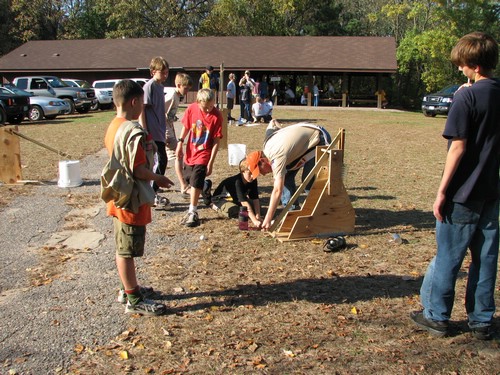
(424, 30)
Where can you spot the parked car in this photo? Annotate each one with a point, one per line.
(75, 82)
(42, 106)
(79, 98)
(104, 92)
(140, 81)
(13, 108)
(439, 103)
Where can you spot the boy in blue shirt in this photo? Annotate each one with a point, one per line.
(467, 203)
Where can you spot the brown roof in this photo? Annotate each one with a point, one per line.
(266, 53)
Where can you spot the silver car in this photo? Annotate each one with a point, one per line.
(42, 106)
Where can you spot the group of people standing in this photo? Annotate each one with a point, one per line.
(466, 205)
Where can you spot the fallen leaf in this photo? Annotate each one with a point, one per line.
(354, 311)
(289, 353)
(124, 354)
(79, 348)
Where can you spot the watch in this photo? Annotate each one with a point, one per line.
(180, 140)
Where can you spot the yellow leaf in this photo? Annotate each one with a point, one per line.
(124, 354)
(354, 311)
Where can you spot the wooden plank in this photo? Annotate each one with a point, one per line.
(223, 142)
(10, 157)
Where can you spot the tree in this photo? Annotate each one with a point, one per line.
(36, 19)
(6, 40)
(153, 18)
(268, 17)
(85, 20)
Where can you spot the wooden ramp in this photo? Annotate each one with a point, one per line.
(327, 210)
(10, 158)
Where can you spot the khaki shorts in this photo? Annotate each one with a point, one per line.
(129, 239)
(229, 209)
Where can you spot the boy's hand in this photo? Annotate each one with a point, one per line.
(257, 223)
(437, 207)
(209, 170)
(164, 181)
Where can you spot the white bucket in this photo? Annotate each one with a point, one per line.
(236, 153)
(69, 173)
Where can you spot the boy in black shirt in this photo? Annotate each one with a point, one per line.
(243, 190)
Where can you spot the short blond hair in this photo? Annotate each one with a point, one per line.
(244, 165)
(183, 79)
(158, 63)
(205, 95)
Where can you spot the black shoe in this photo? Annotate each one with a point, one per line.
(482, 333)
(206, 193)
(334, 244)
(434, 327)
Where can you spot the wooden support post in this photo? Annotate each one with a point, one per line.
(10, 157)
(223, 142)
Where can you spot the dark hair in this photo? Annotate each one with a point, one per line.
(125, 90)
(476, 49)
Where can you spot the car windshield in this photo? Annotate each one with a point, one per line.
(5, 91)
(104, 85)
(82, 83)
(449, 90)
(17, 91)
(56, 82)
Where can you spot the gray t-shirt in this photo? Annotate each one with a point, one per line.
(154, 101)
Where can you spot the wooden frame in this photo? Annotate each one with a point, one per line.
(327, 210)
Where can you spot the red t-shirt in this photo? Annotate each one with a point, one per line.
(204, 128)
(143, 217)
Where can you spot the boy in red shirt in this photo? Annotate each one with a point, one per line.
(125, 187)
(202, 131)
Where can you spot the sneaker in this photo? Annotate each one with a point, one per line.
(146, 307)
(161, 203)
(146, 292)
(482, 333)
(434, 327)
(192, 220)
(334, 244)
(206, 193)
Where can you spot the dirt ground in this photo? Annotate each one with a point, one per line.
(245, 303)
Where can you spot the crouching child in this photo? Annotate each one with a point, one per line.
(243, 191)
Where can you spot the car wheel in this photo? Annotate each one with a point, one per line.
(35, 113)
(3, 116)
(83, 110)
(16, 120)
(95, 106)
(71, 105)
(429, 114)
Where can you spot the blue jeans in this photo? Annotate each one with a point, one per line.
(472, 225)
(290, 187)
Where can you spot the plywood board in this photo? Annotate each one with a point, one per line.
(10, 156)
